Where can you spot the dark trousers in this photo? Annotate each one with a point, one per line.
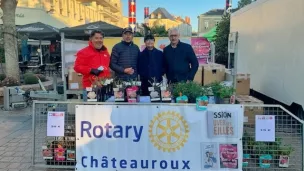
(145, 87)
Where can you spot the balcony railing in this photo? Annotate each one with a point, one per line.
(113, 6)
(108, 14)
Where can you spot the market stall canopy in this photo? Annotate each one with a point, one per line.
(39, 31)
(83, 31)
(210, 35)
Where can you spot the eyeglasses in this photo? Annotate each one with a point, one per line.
(173, 35)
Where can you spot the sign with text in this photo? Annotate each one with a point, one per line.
(223, 121)
(151, 137)
(265, 128)
(201, 47)
(55, 124)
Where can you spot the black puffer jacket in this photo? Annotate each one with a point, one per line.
(124, 55)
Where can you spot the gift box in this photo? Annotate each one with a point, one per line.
(154, 94)
(166, 94)
(132, 94)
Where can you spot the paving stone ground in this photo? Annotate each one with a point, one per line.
(15, 141)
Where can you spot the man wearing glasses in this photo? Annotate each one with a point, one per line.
(150, 65)
(180, 61)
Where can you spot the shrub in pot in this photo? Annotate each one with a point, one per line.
(225, 94)
(284, 155)
(221, 92)
(215, 90)
(248, 145)
(30, 78)
(190, 89)
(263, 154)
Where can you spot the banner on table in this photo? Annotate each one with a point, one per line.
(151, 137)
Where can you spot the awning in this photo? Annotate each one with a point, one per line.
(83, 31)
(39, 31)
(211, 34)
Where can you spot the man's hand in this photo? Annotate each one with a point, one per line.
(129, 71)
(95, 72)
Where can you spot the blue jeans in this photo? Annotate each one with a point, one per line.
(84, 95)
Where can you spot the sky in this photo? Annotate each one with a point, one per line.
(183, 8)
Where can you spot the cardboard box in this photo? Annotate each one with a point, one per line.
(198, 78)
(75, 80)
(213, 73)
(243, 84)
(250, 112)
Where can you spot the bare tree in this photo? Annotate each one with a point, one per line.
(10, 38)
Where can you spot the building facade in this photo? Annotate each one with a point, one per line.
(209, 20)
(161, 17)
(69, 13)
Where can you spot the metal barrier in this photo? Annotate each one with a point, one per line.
(289, 136)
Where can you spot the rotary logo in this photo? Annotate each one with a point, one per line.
(168, 131)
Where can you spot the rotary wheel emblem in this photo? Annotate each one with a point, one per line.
(168, 131)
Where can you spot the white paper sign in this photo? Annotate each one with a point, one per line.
(55, 124)
(265, 128)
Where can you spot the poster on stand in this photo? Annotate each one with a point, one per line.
(152, 137)
(265, 128)
(223, 121)
(201, 47)
(55, 124)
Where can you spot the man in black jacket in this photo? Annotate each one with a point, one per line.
(124, 57)
(180, 60)
(150, 65)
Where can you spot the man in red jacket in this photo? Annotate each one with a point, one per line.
(93, 61)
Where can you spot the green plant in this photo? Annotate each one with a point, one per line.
(248, 143)
(221, 91)
(226, 92)
(2, 77)
(30, 78)
(261, 148)
(221, 40)
(243, 3)
(10, 81)
(159, 31)
(191, 89)
(286, 150)
(215, 87)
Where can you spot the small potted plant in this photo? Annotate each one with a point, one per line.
(225, 94)
(190, 89)
(248, 145)
(213, 92)
(264, 155)
(284, 154)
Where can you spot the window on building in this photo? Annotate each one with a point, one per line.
(152, 16)
(206, 24)
(159, 16)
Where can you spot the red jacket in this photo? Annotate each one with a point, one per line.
(89, 58)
